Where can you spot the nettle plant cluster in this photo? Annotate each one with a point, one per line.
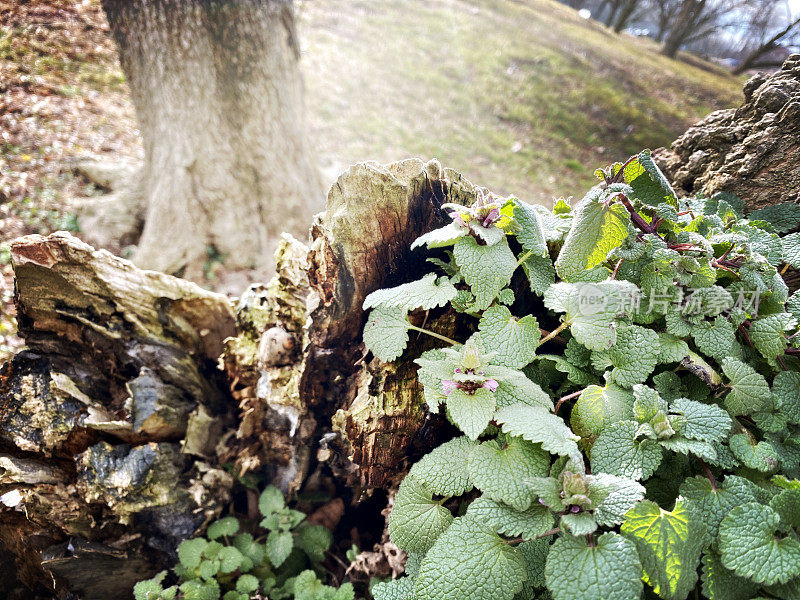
(649, 444)
(285, 562)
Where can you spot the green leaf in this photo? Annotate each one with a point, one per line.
(470, 561)
(715, 339)
(247, 584)
(515, 388)
(673, 349)
(471, 412)
(711, 505)
(416, 520)
(791, 249)
(386, 332)
(507, 521)
(531, 236)
(149, 589)
(200, 590)
(787, 505)
(786, 395)
(706, 422)
(749, 390)
(756, 455)
(591, 309)
(230, 559)
(190, 552)
(612, 497)
(439, 238)
(749, 545)
(226, 526)
(534, 554)
(609, 570)
(540, 272)
(767, 334)
(618, 452)
(634, 356)
(596, 230)
(669, 545)
(444, 470)
(271, 501)
(648, 182)
(486, 269)
(396, 589)
(539, 426)
(499, 469)
(245, 544)
(783, 217)
(720, 583)
(426, 293)
(209, 568)
(513, 341)
(597, 407)
(314, 540)
(581, 523)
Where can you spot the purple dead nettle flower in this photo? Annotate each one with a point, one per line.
(468, 376)
(448, 385)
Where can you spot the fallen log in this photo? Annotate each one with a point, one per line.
(120, 435)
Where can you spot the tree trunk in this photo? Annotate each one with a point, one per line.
(115, 422)
(683, 27)
(218, 97)
(625, 15)
(772, 43)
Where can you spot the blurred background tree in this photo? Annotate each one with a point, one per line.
(219, 102)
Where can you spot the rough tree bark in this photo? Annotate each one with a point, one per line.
(751, 151)
(218, 97)
(116, 420)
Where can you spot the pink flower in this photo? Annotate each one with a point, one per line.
(493, 216)
(457, 218)
(448, 385)
(490, 384)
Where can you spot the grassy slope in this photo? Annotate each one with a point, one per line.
(521, 96)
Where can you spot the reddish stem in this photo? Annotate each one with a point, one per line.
(709, 474)
(564, 399)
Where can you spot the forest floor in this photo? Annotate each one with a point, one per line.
(522, 96)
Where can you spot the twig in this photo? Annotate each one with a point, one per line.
(709, 474)
(564, 399)
(554, 333)
(616, 268)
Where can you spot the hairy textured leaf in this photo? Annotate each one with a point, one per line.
(470, 561)
(396, 589)
(596, 230)
(756, 455)
(634, 356)
(512, 340)
(471, 412)
(783, 217)
(715, 338)
(426, 293)
(386, 332)
(612, 497)
(669, 545)
(711, 505)
(510, 522)
(444, 470)
(540, 272)
(531, 236)
(609, 570)
(598, 407)
(279, 546)
(720, 583)
(750, 547)
(648, 182)
(767, 334)
(791, 249)
(444, 236)
(514, 387)
(539, 426)
(534, 554)
(416, 520)
(618, 452)
(706, 422)
(486, 269)
(591, 309)
(749, 390)
(786, 395)
(499, 469)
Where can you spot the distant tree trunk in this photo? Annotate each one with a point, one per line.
(219, 101)
(614, 6)
(684, 26)
(625, 14)
(772, 43)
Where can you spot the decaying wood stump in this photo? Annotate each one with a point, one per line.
(122, 430)
(751, 151)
